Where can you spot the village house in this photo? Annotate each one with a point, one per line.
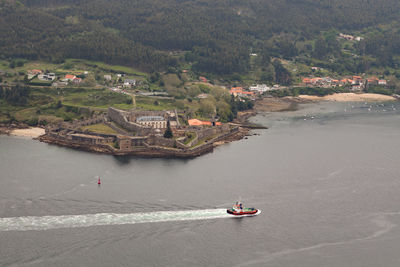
(260, 88)
(34, 72)
(107, 77)
(77, 80)
(68, 78)
(356, 87)
(382, 82)
(129, 83)
(239, 92)
(203, 79)
(236, 90)
(350, 37)
(373, 81)
(47, 77)
(72, 78)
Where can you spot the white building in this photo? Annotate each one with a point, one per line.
(47, 77)
(382, 82)
(157, 122)
(129, 83)
(260, 88)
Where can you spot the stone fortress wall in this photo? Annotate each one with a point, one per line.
(140, 139)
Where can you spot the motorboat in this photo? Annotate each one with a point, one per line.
(239, 210)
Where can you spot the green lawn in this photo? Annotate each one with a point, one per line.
(150, 103)
(100, 128)
(95, 98)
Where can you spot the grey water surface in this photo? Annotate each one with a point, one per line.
(326, 177)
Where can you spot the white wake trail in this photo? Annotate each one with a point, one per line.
(85, 220)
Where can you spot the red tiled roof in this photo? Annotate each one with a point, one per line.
(70, 76)
(203, 79)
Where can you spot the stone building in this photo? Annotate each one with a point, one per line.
(157, 122)
(127, 143)
(143, 122)
(89, 139)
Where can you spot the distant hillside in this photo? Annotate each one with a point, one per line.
(217, 35)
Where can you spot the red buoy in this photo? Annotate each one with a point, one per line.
(99, 182)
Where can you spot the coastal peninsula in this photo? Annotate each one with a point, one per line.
(142, 133)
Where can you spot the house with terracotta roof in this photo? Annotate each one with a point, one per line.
(236, 90)
(335, 82)
(77, 80)
(69, 77)
(373, 80)
(203, 79)
(307, 81)
(35, 72)
(382, 82)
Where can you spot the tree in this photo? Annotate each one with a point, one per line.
(320, 48)
(282, 75)
(207, 107)
(268, 74)
(168, 132)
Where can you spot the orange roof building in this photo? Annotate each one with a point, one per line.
(203, 79)
(238, 91)
(70, 76)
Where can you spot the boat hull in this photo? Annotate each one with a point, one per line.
(250, 212)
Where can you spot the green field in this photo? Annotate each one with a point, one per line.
(104, 67)
(100, 128)
(49, 104)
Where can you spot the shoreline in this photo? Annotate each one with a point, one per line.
(32, 132)
(264, 105)
(22, 130)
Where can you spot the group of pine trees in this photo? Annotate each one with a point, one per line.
(16, 94)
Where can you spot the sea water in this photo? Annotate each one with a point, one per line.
(327, 178)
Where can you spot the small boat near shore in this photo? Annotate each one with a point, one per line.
(239, 210)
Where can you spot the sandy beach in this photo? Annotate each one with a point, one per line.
(351, 97)
(29, 132)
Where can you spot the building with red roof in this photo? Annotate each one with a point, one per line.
(203, 79)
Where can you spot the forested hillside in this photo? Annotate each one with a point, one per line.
(215, 36)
